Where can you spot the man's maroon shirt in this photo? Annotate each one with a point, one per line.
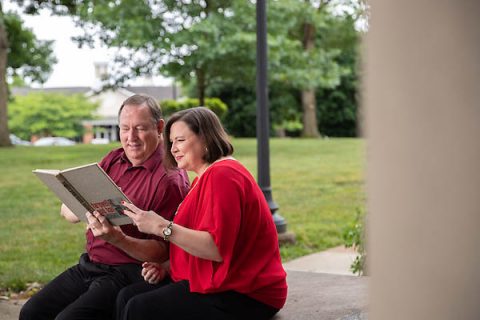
(150, 187)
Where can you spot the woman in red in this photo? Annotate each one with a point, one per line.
(224, 256)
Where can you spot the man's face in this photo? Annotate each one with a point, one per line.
(138, 133)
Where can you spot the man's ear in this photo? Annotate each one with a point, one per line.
(160, 126)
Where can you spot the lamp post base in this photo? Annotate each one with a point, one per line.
(286, 238)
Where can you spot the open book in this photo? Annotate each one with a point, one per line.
(87, 188)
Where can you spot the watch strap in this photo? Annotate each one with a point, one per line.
(167, 231)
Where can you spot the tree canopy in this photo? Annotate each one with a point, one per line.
(49, 114)
(29, 59)
(207, 44)
(210, 46)
(192, 41)
(23, 58)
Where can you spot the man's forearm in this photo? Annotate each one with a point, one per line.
(143, 249)
(68, 214)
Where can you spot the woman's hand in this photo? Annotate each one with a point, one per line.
(197, 243)
(153, 272)
(146, 221)
(101, 228)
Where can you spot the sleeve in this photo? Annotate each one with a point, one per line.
(172, 193)
(104, 163)
(221, 217)
(109, 159)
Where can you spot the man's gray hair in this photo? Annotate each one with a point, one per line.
(140, 100)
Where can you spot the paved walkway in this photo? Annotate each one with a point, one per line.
(345, 296)
(333, 261)
(322, 286)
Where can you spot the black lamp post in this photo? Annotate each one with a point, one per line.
(263, 126)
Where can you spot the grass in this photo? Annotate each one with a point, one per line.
(318, 184)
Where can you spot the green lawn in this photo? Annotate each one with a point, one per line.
(318, 184)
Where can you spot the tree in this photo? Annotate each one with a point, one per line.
(214, 40)
(207, 42)
(330, 68)
(337, 107)
(309, 102)
(305, 65)
(23, 56)
(4, 134)
(49, 114)
(192, 41)
(29, 59)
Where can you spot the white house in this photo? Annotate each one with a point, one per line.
(106, 126)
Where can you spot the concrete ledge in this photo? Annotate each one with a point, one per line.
(310, 296)
(324, 296)
(10, 309)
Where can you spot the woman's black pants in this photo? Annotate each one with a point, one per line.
(169, 300)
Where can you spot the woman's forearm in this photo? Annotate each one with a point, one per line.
(197, 243)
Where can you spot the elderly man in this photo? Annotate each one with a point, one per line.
(114, 254)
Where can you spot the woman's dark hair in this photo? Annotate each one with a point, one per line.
(206, 125)
(139, 100)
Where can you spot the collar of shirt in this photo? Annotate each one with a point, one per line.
(151, 163)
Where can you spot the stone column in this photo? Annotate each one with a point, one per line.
(422, 113)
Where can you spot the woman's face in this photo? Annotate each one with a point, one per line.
(187, 148)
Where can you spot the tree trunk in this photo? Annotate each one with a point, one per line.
(309, 102)
(309, 118)
(200, 86)
(4, 133)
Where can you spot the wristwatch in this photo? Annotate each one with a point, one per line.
(167, 232)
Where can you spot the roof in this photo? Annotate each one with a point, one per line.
(23, 91)
(158, 92)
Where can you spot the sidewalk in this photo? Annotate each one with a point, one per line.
(322, 286)
(333, 261)
(327, 274)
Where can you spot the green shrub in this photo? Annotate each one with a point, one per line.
(215, 104)
(354, 236)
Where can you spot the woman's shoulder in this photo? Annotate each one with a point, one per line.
(226, 166)
(228, 169)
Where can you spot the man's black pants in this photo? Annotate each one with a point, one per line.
(85, 291)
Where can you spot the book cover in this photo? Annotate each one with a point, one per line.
(87, 188)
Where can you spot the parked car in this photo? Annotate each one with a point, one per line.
(17, 141)
(53, 141)
(100, 141)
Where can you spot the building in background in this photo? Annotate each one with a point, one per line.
(105, 128)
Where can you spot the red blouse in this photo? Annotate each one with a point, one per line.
(227, 202)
